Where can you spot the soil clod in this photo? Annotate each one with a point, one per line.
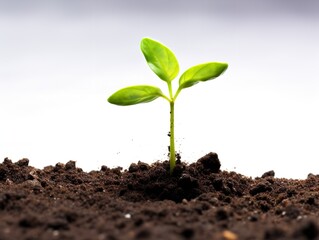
(210, 162)
(268, 174)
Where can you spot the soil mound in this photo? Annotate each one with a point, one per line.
(198, 201)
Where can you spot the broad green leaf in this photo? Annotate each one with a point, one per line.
(135, 95)
(201, 73)
(160, 59)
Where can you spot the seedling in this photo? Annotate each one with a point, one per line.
(165, 65)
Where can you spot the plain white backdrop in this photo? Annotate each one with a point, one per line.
(60, 61)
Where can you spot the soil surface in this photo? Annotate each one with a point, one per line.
(198, 201)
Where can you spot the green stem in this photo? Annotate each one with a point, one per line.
(169, 84)
(172, 159)
(176, 94)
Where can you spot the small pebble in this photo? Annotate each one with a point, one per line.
(228, 235)
(32, 183)
(184, 201)
(9, 182)
(55, 233)
(33, 175)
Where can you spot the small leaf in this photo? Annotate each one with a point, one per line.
(135, 95)
(201, 72)
(160, 59)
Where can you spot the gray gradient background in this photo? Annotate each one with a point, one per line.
(60, 60)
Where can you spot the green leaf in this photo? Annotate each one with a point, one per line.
(201, 73)
(135, 95)
(160, 59)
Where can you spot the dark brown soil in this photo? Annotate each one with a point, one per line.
(144, 202)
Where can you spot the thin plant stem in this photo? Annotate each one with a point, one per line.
(172, 159)
(177, 92)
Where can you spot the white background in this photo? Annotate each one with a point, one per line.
(60, 61)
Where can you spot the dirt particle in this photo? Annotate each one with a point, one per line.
(70, 165)
(187, 182)
(268, 174)
(218, 184)
(32, 183)
(210, 162)
(117, 170)
(311, 201)
(143, 166)
(260, 188)
(308, 230)
(188, 233)
(7, 161)
(104, 168)
(253, 218)
(8, 181)
(274, 233)
(221, 214)
(311, 175)
(133, 168)
(24, 162)
(143, 234)
(58, 166)
(292, 212)
(138, 222)
(29, 222)
(58, 224)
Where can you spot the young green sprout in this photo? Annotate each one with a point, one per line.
(165, 65)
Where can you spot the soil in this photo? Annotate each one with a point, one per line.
(198, 201)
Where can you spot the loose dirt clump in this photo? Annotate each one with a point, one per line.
(198, 201)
